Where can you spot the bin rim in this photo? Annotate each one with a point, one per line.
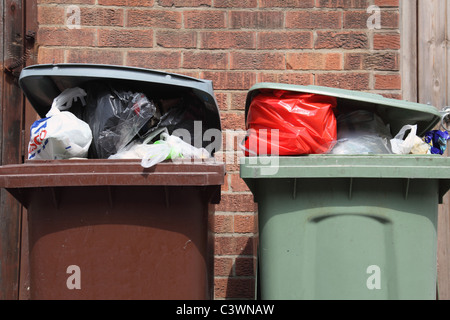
(425, 116)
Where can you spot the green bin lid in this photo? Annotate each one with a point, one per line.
(396, 113)
(42, 83)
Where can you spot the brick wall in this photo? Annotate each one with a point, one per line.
(235, 43)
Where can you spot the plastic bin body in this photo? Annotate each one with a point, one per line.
(133, 233)
(348, 227)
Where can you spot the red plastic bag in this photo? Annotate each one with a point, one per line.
(290, 123)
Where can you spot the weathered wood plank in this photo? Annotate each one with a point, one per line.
(12, 106)
(433, 89)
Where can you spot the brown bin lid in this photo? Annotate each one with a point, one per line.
(100, 172)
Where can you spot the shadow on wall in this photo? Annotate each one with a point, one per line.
(239, 284)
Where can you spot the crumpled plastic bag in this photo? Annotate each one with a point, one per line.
(115, 117)
(167, 148)
(290, 123)
(437, 140)
(361, 132)
(61, 135)
(410, 143)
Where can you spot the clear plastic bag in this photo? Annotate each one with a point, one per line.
(115, 117)
(362, 132)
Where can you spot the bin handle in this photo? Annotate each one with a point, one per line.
(445, 114)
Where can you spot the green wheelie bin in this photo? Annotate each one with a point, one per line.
(349, 227)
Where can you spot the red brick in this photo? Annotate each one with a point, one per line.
(238, 100)
(205, 60)
(314, 61)
(285, 40)
(256, 19)
(238, 184)
(230, 80)
(387, 3)
(236, 203)
(204, 19)
(222, 101)
(66, 2)
(351, 81)
(388, 82)
(234, 288)
(154, 18)
(313, 20)
(154, 59)
(356, 19)
(235, 245)
(53, 36)
(95, 56)
(223, 223)
(128, 3)
(287, 77)
(51, 15)
(390, 19)
(101, 17)
(227, 40)
(386, 41)
(344, 4)
(235, 3)
(382, 61)
(233, 121)
(176, 39)
(245, 224)
(257, 61)
(244, 266)
(286, 3)
(342, 40)
(223, 266)
(184, 3)
(50, 55)
(125, 38)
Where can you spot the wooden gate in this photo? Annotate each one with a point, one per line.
(18, 22)
(425, 76)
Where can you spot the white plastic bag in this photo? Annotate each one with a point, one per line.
(168, 147)
(172, 147)
(61, 135)
(401, 145)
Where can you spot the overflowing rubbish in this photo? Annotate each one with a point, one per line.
(437, 141)
(115, 123)
(61, 135)
(168, 147)
(362, 132)
(115, 117)
(289, 123)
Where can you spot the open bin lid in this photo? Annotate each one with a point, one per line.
(42, 83)
(396, 113)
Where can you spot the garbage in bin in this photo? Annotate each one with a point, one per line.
(437, 140)
(60, 135)
(123, 110)
(362, 132)
(115, 117)
(349, 226)
(288, 123)
(111, 229)
(168, 147)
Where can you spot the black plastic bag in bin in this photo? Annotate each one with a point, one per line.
(115, 117)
